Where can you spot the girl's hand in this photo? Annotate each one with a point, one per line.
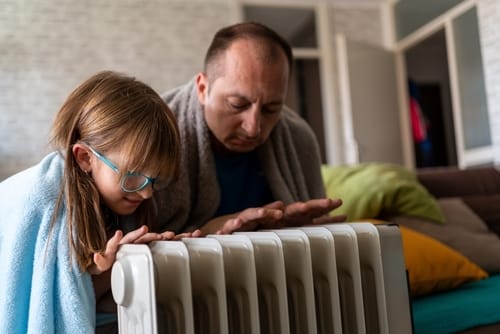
(104, 260)
(168, 235)
(140, 236)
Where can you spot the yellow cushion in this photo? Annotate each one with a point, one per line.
(432, 266)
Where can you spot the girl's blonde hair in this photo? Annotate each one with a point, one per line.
(111, 111)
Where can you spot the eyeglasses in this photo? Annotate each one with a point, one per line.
(132, 181)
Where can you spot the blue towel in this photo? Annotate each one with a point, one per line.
(41, 289)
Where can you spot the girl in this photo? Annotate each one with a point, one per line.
(63, 220)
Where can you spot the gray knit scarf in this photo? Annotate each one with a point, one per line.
(290, 160)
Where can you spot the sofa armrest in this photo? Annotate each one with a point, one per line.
(454, 182)
(479, 188)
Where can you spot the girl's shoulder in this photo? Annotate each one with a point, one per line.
(28, 198)
(38, 183)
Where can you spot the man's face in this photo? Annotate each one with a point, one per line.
(243, 103)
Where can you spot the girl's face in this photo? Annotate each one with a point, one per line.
(108, 181)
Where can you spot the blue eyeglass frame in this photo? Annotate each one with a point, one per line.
(111, 165)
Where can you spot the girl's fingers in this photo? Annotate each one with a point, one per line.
(114, 242)
(134, 235)
(148, 237)
(104, 261)
(168, 235)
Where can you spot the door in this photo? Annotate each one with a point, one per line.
(465, 116)
(369, 102)
(428, 89)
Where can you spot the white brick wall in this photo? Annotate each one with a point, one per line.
(359, 23)
(489, 27)
(48, 47)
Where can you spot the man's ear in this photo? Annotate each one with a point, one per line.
(202, 87)
(83, 157)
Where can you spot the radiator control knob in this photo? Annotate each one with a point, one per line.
(119, 286)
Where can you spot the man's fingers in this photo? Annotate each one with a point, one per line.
(324, 204)
(333, 202)
(277, 205)
(297, 209)
(312, 208)
(230, 226)
(259, 215)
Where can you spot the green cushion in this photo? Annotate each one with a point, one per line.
(377, 190)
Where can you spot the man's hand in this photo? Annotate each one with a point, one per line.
(315, 211)
(246, 220)
(277, 215)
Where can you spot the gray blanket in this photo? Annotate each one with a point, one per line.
(290, 160)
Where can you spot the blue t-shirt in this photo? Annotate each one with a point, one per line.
(242, 182)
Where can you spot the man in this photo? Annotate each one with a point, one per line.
(248, 161)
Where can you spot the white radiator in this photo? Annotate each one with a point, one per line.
(337, 278)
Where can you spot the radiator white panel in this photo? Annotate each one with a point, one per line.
(396, 280)
(241, 283)
(132, 280)
(316, 279)
(372, 277)
(299, 280)
(326, 287)
(271, 282)
(208, 285)
(349, 276)
(174, 301)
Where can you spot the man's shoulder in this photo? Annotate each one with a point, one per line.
(296, 130)
(181, 99)
(292, 120)
(179, 92)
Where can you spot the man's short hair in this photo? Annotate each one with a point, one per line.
(224, 38)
